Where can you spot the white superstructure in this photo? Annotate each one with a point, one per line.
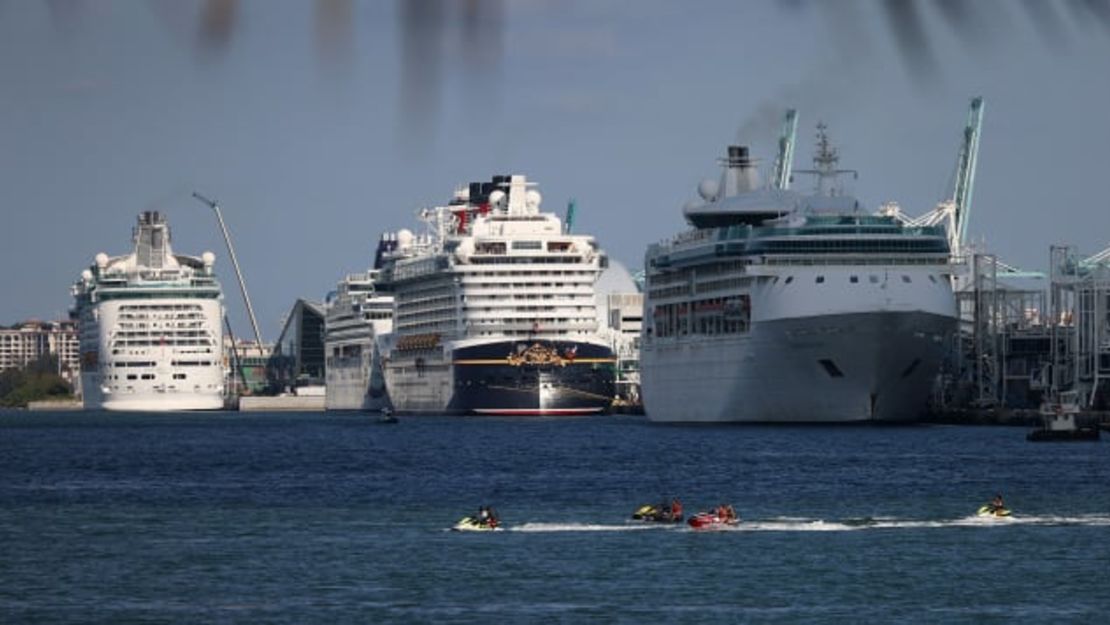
(779, 306)
(360, 311)
(495, 310)
(150, 326)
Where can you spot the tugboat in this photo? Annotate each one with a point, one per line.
(387, 416)
(1058, 421)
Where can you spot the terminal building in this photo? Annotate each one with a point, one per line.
(620, 311)
(297, 361)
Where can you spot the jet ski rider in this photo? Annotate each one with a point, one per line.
(486, 516)
(676, 509)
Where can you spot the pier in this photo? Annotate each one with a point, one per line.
(1020, 346)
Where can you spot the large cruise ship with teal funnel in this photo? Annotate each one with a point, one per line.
(151, 327)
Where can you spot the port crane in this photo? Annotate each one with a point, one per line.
(955, 211)
(785, 160)
(234, 263)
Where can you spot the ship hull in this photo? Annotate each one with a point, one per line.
(94, 398)
(157, 371)
(837, 368)
(355, 384)
(506, 377)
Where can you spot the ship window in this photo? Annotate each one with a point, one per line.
(853, 279)
(789, 279)
(820, 279)
(831, 368)
(132, 376)
(148, 376)
(905, 279)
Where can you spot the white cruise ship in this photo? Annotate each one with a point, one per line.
(150, 325)
(495, 310)
(358, 314)
(783, 307)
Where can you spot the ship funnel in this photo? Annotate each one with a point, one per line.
(740, 174)
(152, 240)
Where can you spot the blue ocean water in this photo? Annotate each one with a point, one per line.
(310, 518)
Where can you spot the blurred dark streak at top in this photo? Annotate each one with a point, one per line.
(428, 28)
(217, 24)
(334, 24)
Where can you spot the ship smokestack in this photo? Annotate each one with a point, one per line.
(740, 172)
(152, 237)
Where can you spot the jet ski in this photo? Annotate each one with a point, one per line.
(473, 524)
(656, 514)
(996, 511)
(711, 520)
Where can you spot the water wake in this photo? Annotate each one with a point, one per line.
(794, 524)
(588, 527)
(804, 524)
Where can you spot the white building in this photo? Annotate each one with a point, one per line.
(620, 310)
(27, 342)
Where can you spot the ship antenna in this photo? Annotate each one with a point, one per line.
(234, 263)
(824, 164)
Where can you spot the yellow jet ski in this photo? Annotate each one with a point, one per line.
(473, 524)
(996, 511)
(659, 514)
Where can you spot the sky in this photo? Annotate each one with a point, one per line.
(319, 125)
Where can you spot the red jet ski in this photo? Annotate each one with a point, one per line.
(722, 517)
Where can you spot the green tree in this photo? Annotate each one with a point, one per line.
(36, 381)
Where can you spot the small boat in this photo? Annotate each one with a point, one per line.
(387, 416)
(711, 520)
(473, 524)
(657, 514)
(1058, 421)
(995, 511)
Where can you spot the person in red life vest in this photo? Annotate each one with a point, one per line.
(730, 513)
(676, 509)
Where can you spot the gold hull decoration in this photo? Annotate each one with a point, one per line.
(537, 354)
(498, 361)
